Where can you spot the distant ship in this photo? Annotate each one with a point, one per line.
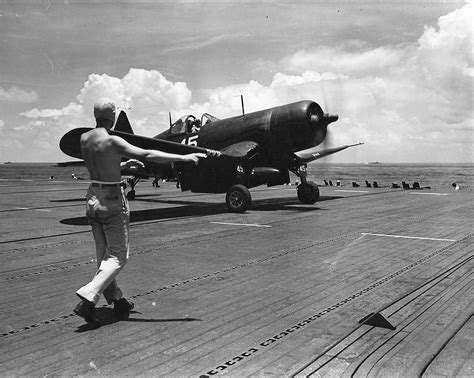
(374, 162)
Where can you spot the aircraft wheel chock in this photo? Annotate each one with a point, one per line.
(131, 195)
(238, 198)
(308, 193)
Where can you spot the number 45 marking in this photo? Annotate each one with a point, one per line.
(191, 141)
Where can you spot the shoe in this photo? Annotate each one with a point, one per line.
(86, 310)
(122, 308)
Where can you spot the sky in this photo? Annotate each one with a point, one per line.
(399, 74)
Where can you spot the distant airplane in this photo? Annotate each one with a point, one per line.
(256, 148)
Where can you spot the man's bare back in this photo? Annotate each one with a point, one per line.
(101, 156)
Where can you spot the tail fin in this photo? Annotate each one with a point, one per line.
(123, 124)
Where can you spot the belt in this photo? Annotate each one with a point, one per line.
(103, 184)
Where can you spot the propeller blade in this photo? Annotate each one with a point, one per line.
(311, 154)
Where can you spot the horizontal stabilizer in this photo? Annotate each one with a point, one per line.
(142, 173)
(76, 163)
(312, 153)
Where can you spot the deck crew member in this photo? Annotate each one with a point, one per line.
(107, 207)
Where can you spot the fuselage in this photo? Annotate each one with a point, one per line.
(278, 131)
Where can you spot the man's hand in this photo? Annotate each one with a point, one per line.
(132, 163)
(194, 157)
(213, 153)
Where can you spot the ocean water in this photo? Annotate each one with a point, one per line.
(437, 176)
(40, 171)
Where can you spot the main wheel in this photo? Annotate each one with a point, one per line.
(131, 195)
(308, 193)
(238, 198)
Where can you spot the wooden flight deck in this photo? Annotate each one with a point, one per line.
(281, 290)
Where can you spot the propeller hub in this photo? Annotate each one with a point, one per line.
(329, 118)
(326, 118)
(314, 118)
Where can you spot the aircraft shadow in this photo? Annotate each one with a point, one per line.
(69, 200)
(83, 199)
(195, 209)
(105, 316)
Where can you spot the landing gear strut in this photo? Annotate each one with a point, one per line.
(132, 181)
(308, 191)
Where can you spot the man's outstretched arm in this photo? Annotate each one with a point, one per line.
(154, 156)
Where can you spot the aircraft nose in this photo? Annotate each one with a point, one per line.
(319, 122)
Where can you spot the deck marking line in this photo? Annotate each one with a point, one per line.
(42, 209)
(432, 194)
(352, 191)
(408, 237)
(242, 224)
(22, 208)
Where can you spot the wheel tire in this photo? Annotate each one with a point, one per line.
(131, 195)
(238, 198)
(308, 193)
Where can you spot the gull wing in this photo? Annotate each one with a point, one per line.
(70, 143)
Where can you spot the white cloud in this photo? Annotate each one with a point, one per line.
(444, 62)
(15, 94)
(331, 59)
(306, 77)
(151, 96)
(72, 110)
(98, 86)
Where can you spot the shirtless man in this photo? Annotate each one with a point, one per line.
(107, 207)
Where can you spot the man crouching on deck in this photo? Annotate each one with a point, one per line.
(107, 207)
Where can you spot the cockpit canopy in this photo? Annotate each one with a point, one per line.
(207, 118)
(188, 124)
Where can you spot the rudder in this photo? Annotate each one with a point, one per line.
(123, 124)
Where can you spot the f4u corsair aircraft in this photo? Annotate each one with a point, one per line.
(256, 148)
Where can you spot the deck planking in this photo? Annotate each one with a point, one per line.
(278, 290)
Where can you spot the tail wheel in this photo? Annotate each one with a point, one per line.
(238, 198)
(308, 192)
